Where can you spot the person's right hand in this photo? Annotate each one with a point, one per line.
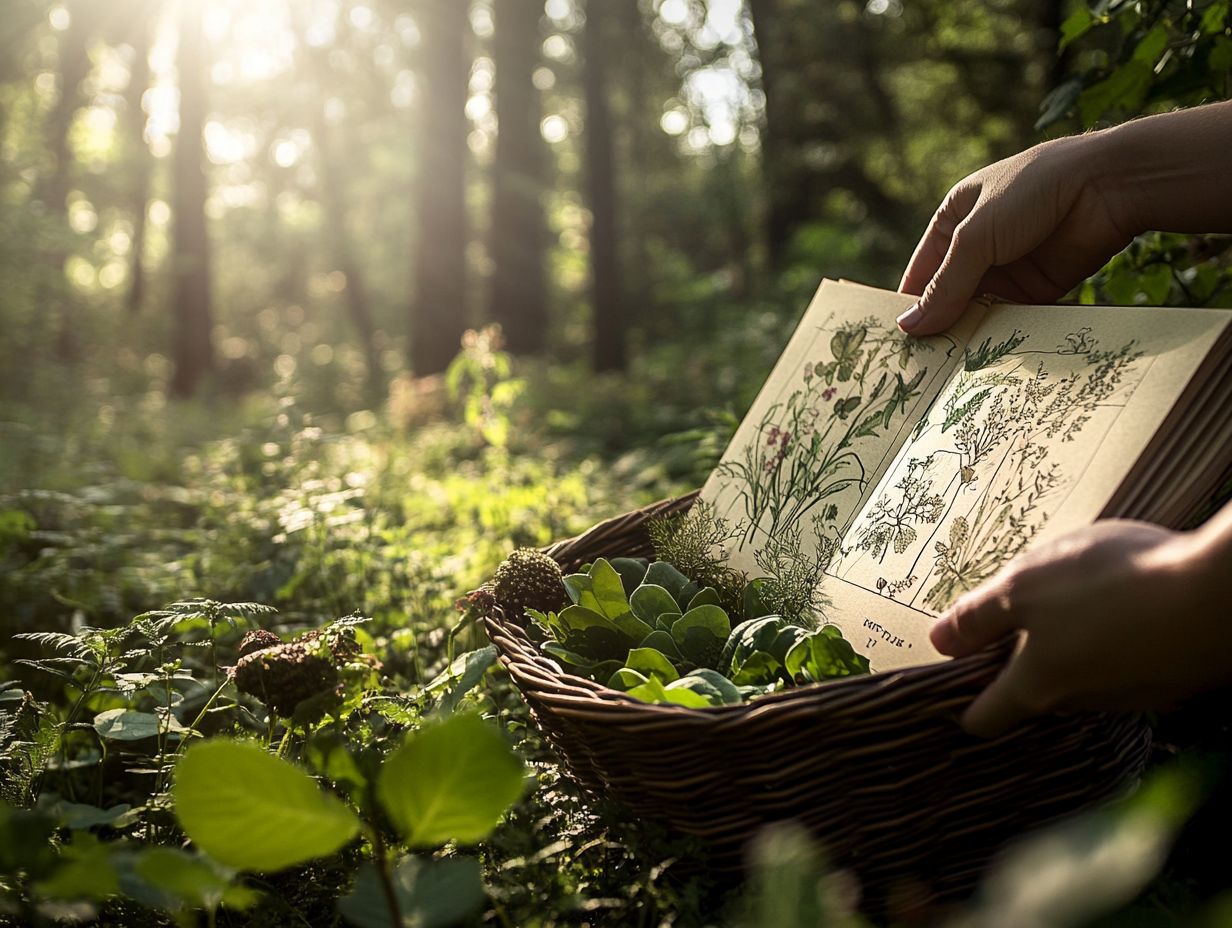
(1027, 229)
(1032, 227)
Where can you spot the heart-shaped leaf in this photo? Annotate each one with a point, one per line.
(651, 663)
(649, 601)
(450, 781)
(253, 811)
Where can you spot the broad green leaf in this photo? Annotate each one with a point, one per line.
(665, 575)
(632, 627)
(253, 811)
(1152, 45)
(654, 692)
(1076, 25)
(577, 585)
(719, 690)
(190, 880)
(686, 594)
(661, 640)
(665, 622)
(430, 893)
(632, 572)
(626, 679)
(464, 673)
(576, 618)
(86, 871)
(651, 663)
(608, 590)
(450, 781)
(707, 596)
(1122, 90)
(823, 657)
(757, 669)
(130, 725)
(751, 635)
(649, 601)
(711, 618)
(76, 815)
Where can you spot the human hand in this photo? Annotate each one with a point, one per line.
(1119, 615)
(1028, 229)
(1033, 226)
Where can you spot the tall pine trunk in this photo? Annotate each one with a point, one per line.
(52, 292)
(438, 316)
(141, 35)
(610, 329)
(192, 346)
(518, 233)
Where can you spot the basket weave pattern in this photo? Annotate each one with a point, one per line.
(876, 766)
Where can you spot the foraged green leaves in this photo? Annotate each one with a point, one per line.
(824, 655)
(253, 811)
(450, 781)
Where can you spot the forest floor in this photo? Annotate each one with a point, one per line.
(111, 509)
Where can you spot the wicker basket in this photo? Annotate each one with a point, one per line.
(876, 766)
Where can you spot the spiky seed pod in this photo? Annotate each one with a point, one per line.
(257, 640)
(528, 579)
(285, 675)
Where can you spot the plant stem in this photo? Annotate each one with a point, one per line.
(387, 882)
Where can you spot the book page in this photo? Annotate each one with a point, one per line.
(1039, 425)
(843, 397)
(1017, 426)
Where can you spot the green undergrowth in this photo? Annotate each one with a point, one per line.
(141, 542)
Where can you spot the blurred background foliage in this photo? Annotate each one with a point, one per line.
(328, 304)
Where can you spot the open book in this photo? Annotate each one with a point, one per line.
(918, 467)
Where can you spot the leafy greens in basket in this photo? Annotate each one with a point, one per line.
(646, 628)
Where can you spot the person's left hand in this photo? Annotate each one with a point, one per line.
(1119, 615)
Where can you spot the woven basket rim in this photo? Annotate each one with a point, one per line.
(582, 693)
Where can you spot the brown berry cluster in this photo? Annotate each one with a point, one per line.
(282, 674)
(528, 579)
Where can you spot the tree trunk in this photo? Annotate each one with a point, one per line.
(192, 350)
(785, 206)
(610, 330)
(519, 300)
(142, 32)
(52, 292)
(438, 316)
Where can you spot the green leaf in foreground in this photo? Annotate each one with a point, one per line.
(450, 781)
(190, 881)
(430, 894)
(253, 811)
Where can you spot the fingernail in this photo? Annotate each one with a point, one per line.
(910, 319)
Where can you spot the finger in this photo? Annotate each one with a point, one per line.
(1007, 702)
(956, 282)
(931, 249)
(976, 620)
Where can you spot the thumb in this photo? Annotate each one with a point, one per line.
(1007, 702)
(955, 283)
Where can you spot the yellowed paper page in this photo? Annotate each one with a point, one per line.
(844, 395)
(1037, 418)
(1029, 439)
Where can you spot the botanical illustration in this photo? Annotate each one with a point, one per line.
(986, 466)
(827, 436)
